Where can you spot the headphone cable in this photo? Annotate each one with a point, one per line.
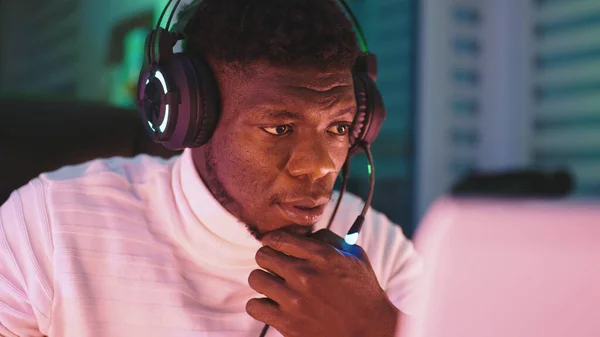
(264, 330)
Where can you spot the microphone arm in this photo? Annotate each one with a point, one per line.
(352, 235)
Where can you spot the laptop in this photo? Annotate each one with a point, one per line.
(509, 268)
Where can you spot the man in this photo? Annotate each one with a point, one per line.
(216, 242)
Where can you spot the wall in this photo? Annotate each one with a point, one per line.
(4, 50)
(60, 47)
(97, 19)
(42, 52)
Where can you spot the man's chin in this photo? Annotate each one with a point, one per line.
(299, 230)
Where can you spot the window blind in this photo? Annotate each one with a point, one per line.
(567, 90)
(464, 93)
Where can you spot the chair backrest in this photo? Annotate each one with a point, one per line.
(39, 136)
(501, 268)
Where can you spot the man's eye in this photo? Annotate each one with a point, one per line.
(279, 130)
(339, 129)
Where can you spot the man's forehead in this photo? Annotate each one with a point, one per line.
(292, 95)
(290, 78)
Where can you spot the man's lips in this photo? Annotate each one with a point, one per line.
(303, 212)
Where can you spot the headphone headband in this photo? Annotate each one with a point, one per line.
(359, 32)
(168, 36)
(179, 27)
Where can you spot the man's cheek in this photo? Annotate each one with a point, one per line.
(339, 156)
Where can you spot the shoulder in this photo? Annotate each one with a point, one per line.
(104, 178)
(106, 171)
(99, 186)
(112, 173)
(105, 188)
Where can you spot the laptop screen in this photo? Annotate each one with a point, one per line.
(509, 268)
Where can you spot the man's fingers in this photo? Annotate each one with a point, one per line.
(272, 287)
(276, 262)
(301, 247)
(265, 310)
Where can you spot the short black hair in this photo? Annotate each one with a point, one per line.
(286, 33)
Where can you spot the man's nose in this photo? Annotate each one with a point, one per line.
(311, 159)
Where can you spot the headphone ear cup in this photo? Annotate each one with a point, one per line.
(370, 113)
(209, 102)
(200, 102)
(191, 118)
(182, 124)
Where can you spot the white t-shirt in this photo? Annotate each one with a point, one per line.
(128, 247)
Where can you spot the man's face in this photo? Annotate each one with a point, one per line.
(280, 143)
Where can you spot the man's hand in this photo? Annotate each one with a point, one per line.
(319, 286)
